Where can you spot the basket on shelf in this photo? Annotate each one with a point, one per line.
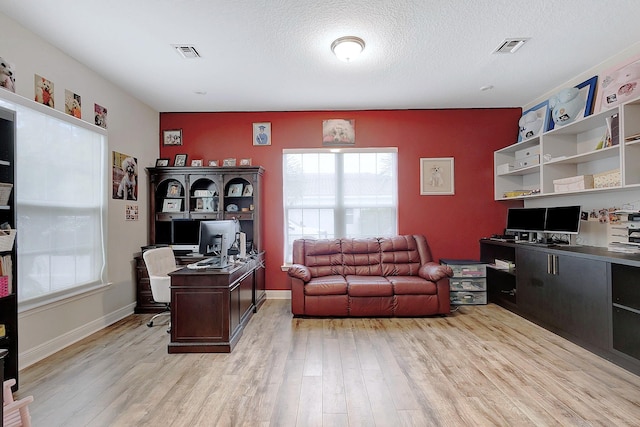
(5, 192)
(7, 239)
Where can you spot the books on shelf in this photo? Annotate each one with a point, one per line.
(6, 279)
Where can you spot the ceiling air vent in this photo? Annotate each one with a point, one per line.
(186, 51)
(510, 45)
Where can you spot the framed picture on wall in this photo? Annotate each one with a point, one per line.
(172, 137)
(436, 176)
(262, 133)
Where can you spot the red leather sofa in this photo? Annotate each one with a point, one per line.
(369, 277)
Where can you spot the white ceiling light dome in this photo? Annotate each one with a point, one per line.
(347, 48)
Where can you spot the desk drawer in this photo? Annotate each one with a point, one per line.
(468, 298)
(471, 284)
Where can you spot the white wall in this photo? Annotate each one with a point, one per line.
(132, 129)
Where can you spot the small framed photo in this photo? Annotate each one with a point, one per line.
(196, 162)
(235, 190)
(172, 137)
(436, 176)
(174, 189)
(245, 162)
(248, 190)
(262, 133)
(172, 205)
(566, 111)
(213, 163)
(180, 160)
(618, 84)
(162, 163)
(229, 162)
(534, 121)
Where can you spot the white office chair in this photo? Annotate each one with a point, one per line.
(160, 262)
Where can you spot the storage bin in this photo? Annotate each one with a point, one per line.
(5, 192)
(607, 179)
(457, 284)
(468, 298)
(467, 270)
(573, 183)
(528, 152)
(527, 161)
(6, 240)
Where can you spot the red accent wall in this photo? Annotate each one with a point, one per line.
(452, 224)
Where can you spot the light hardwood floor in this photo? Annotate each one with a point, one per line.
(481, 366)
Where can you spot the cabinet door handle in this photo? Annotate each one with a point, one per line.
(549, 264)
(555, 265)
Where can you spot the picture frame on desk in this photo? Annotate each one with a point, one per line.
(172, 205)
(180, 160)
(235, 190)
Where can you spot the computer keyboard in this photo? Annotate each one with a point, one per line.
(204, 263)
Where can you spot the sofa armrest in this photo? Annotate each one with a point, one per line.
(434, 272)
(299, 271)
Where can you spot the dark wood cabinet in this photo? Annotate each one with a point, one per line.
(211, 307)
(567, 294)
(588, 295)
(9, 277)
(205, 193)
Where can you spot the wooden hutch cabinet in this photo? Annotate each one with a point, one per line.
(200, 193)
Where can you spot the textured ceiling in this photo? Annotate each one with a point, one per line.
(274, 55)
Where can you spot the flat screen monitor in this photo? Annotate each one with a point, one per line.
(209, 241)
(526, 219)
(563, 220)
(185, 234)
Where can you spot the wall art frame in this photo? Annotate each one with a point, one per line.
(437, 176)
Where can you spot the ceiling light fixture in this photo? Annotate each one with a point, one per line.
(347, 48)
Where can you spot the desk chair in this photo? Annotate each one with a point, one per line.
(15, 412)
(160, 262)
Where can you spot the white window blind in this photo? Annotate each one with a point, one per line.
(60, 204)
(332, 193)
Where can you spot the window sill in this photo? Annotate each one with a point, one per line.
(43, 303)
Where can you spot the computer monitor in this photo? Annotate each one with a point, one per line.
(526, 219)
(210, 242)
(185, 234)
(563, 220)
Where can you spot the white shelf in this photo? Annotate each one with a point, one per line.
(571, 151)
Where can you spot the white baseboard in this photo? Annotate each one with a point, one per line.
(46, 349)
(278, 294)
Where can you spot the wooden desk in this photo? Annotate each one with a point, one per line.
(210, 307)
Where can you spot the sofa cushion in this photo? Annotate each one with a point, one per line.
(412, 285)
(361, 257)
(326, 285)
(400, 256)
(323, 257)
(368, 286)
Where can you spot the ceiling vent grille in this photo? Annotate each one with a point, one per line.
(186, 51)
(510, 45)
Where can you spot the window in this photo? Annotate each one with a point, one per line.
(333, 193)
(60, 204)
